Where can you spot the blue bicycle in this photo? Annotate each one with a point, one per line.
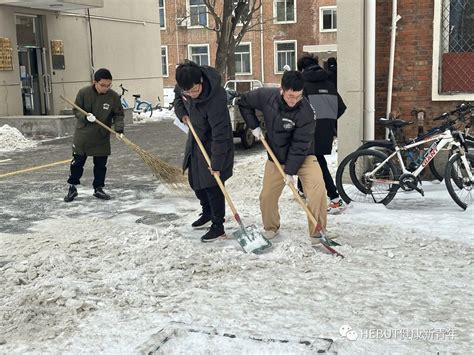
(139, 106)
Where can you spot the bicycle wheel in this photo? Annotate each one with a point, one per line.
(354, 184)
(438, 164)
(459, 185)
(145, 109)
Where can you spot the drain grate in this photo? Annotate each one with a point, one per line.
(182, 340)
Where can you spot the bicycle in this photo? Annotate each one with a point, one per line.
(372, 176)
(139, 106)
(414, 157)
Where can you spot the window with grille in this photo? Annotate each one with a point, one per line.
(243, 64)
(199, 54)
(161, 9)
(245, 12)
(164, 60)
(328, 19)
(284, 10)
(197, 13)
(285, 54)
(456, 57)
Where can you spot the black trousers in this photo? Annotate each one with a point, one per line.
(213, 204)
(77, 169)
(328, 181)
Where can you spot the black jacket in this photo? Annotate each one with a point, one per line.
(210, 118)
(289, 131)
(323, 96)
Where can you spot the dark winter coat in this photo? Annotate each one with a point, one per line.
(89, 138)
(327, 103)
(289, 130)
(211, 120)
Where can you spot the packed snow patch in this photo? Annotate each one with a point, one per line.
(11, 139)
(157, 115)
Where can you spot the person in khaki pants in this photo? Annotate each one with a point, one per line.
(290, 124)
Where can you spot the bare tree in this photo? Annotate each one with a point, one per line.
(232, 20)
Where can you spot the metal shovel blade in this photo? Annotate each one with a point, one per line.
(251, 240)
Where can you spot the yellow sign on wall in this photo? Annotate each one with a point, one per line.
(6, 61)
(57, 47)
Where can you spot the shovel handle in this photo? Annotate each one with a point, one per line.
(218, 179)
(292, 186)
(70, 102)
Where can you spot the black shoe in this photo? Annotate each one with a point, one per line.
(214, 233)
(99, 193)
(71, 194)
(202, 222)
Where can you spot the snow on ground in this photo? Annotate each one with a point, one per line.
(11, 139)
(115, 285)
(157, 115)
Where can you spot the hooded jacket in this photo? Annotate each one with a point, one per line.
(289, 130)
(211, 120)
(323, 96)
(89, 138)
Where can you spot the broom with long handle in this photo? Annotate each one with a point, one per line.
(323, 239)
(165, 172)
(249, 238)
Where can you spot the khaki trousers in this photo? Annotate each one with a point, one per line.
(313, 184)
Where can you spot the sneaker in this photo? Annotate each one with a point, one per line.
(336, 206)
(302, 195)
(214, 233)
(203, 221)
(271, 234)
(71, 194)
(99, 193)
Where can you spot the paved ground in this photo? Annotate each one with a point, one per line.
(36, 195)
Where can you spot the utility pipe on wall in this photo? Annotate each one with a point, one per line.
(369, 77)
(261, 43)
(393, 35)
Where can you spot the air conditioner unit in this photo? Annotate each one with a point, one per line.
(182, 21)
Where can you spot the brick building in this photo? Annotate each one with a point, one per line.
(433, 62)
(289, 26)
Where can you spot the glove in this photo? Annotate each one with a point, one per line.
(119, 131)
(257, 133)
(289, 179)
(90, 117)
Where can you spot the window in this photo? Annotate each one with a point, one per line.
(327, 19)
(164, 60)
(285, 54)
(199, 53)
(161, 9)
(284, 10)
(243, 64)
(198, 13)
(453, 50)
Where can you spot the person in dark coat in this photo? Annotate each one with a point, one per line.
(332, 71)
(289, 124)
(200, 98)
(329, 106)
(90, 139)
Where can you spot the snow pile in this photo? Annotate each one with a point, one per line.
(11, 139)
(157, 115)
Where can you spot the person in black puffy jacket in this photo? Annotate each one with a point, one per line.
(328, 104)
(289, 123)
(200, 98)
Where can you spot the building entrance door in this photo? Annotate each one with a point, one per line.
(35, 80)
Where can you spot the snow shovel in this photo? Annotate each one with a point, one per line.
(325, 241)
(249, 238)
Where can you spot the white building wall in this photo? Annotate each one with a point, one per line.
(125, 38)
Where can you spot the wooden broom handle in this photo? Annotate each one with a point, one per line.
(208, 160)
(86, 113)
(292, 186)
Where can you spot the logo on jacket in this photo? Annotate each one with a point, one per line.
(106, 106)
(287, 124)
